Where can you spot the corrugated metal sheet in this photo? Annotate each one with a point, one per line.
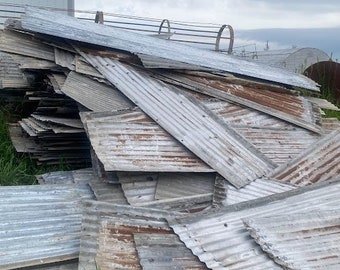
(94, 95)
(291, 108)
(70, 28)
(323, 103)
(320, 162)
(189, 122)
(140, 147)
(330, 124)
(40, 224)
(107, 234)
(64, 58)
(139, 192)
(68, 265)
(22, 44)
(57, 81)
(11, 76)
(165, 251)
(299, 241)
(26, 62)
(82, 176)
(75, 123)
(85, 68)
(221, 240)
(225, 194)
(175, 185)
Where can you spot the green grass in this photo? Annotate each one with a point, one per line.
(16, 169)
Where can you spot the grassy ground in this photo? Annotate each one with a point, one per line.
(15, 169)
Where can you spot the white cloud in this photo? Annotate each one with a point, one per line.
(241, 14)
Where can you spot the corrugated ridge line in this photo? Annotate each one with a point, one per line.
(320, 162)
(40, 224)
(63, 26)
(189, 122)
(11, 76)
(224, 94)
(94, 95)
(183, 185)
(91, 223)
(22, 44)
(220, 239)
(257, 189)
(165, 251)
(153, 149)
(299, 241)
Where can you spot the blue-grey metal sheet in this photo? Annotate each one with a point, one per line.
(317, 163)
(40, 224)
(299, 241)
(50, 23)
(189, 121)
(220, 239)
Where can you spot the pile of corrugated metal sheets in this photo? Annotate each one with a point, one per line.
(199, 160)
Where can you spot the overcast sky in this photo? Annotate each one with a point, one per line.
(245, 14)
(241, 14)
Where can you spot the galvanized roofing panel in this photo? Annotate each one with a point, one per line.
(330, 124)
(62, 26)
(18, 43)
(220, 239)
(93, 95)
(85, 68)
(139, 192)
(320, 162)
(181, 185)
(64, 58)
(299, 241)
(67, 265)
(189, 121)
(165, 251)
(288, 107)
(323, 103)
(140, 147)
(225, 194)
(11, 76)
(81, 176)
(99, 219)
(40, 224)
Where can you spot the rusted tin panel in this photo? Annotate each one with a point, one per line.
(319, 162)
(189, 121)
(288, 107)
(18, 43)
(140, 147)
(107, 234)
(40, 224)
(330, 124)
(220, 239)
(225, 194)
(95, 96)
(70, 28)
(139, 192)
(299, 241)
(165, 251)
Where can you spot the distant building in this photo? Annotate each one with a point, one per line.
(295, 59)
(15, 8)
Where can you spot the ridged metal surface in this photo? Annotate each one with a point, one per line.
(85, 68)
(11, 76)
(320, 162)
(323, 103)
(330, 124)
(62, 26)
(225, 194)
(40, 224)
(64, 58)
(189, 121)
(107, 234)
(175, 185)
(93, 95)
(22, 44)
(165, 251)
(68, 265)
(140, 147)
(139, 192)
(288, 107)
(299, 241)
(221, 240)
(82, 176)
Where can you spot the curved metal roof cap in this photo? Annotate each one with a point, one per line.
(294, 59)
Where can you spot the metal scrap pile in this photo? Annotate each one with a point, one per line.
(199, 160)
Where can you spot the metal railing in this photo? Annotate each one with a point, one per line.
(204, 35)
